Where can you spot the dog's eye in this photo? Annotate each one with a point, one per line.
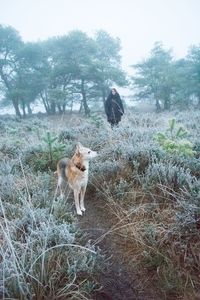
(89, 152)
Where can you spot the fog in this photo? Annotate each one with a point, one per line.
(138, 23)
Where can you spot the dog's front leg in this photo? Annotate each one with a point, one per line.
(76, 198)
(83, 189)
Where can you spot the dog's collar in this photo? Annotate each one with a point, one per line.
(80, 167)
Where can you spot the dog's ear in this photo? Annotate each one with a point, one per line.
(78, 146)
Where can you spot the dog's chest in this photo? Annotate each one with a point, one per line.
(77, 177)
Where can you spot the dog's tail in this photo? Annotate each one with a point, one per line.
(61, 166)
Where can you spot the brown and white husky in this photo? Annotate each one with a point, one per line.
(75, 171)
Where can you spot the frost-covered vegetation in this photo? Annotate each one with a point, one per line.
(153, 192)
(43, 253)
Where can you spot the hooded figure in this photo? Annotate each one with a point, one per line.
(114, 108)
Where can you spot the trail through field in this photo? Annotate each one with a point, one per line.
(119, 280)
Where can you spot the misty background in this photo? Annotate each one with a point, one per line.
(137, 25)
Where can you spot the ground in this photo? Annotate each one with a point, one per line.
(119, 281)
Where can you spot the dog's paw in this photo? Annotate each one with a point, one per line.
(79, 212)
(83, 209)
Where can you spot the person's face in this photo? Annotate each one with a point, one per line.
(113, 92)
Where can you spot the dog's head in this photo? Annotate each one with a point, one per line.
(86, 153)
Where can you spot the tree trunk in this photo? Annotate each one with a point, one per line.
(59, 109)
(24, 109)
(8, 86)
(64, 108)
(84, 100)
(71, 106)
(81, 106)
(53, 108)
(167, 103)
(45, 102)
(16, 107)
(29, 109)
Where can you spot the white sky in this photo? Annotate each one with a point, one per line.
(138, 23)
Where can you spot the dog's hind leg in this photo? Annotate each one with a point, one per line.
(83, 189)
(60, 181)
(77, 204)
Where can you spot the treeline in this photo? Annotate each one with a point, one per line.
(76, 69)
(58, 72)
(169, 82)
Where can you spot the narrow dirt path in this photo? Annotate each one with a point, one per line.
(118, 280)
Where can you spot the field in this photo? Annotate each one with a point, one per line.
(140, 235)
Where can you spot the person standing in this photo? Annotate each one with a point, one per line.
(114, 108)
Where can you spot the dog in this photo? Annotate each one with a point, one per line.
(75, 171)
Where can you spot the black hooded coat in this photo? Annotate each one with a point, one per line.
(114, 108)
